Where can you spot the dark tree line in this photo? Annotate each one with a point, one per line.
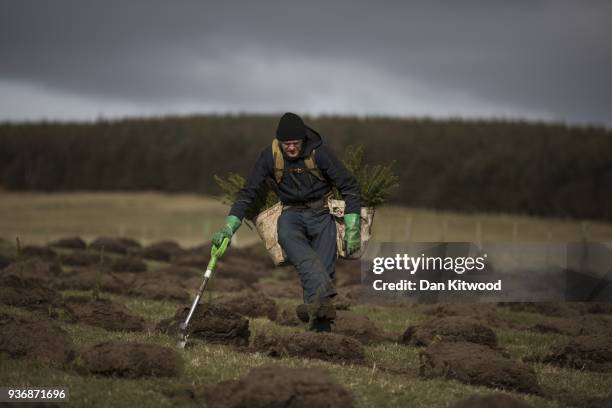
(516, 167)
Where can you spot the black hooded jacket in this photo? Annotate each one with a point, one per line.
(301, 187)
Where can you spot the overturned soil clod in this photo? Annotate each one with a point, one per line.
(163, 251)
(191, 259)
(235, 264)
(358, 327)
(578, 326)
(148, 288)
(69, 243)
(476, 364)
(593, 353)
(242, 269)
(121, 246)
(128, 264)
(322, 346)
(29, 294)
(491, 401)
(221, 284)
(102, 313)
(249, 303)
(40, 339)
(40, 252)
(5, 260)
(88, 278)
(182, 396)
(598, 308)
(180, 273)
(33, 269)
(84, 258)
(275, 386)
(211, 323)
(130, 360)
(452, 328)
(555, 309)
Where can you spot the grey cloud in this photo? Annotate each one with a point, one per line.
(526, 58)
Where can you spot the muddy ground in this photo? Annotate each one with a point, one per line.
(456, 341)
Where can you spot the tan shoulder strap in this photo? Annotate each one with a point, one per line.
(279, 161)
(311, 165)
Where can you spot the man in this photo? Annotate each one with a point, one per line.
(306, 229)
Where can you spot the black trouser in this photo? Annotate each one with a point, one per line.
(308, 237)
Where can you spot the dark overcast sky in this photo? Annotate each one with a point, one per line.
(79, 59)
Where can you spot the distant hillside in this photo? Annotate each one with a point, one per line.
(494, 166)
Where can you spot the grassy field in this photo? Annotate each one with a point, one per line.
(37, 218)
(373, 384)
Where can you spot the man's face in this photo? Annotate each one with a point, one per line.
(292, 148)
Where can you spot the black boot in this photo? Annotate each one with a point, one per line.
(302, 312)
(320, 325)
(322, 316)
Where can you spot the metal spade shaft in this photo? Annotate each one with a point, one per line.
(215, 254)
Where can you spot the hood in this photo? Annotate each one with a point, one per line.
(313, 140)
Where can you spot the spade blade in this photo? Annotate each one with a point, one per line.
(182, 333)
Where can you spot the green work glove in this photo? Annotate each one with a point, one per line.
(231, 225)
(352, 233)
